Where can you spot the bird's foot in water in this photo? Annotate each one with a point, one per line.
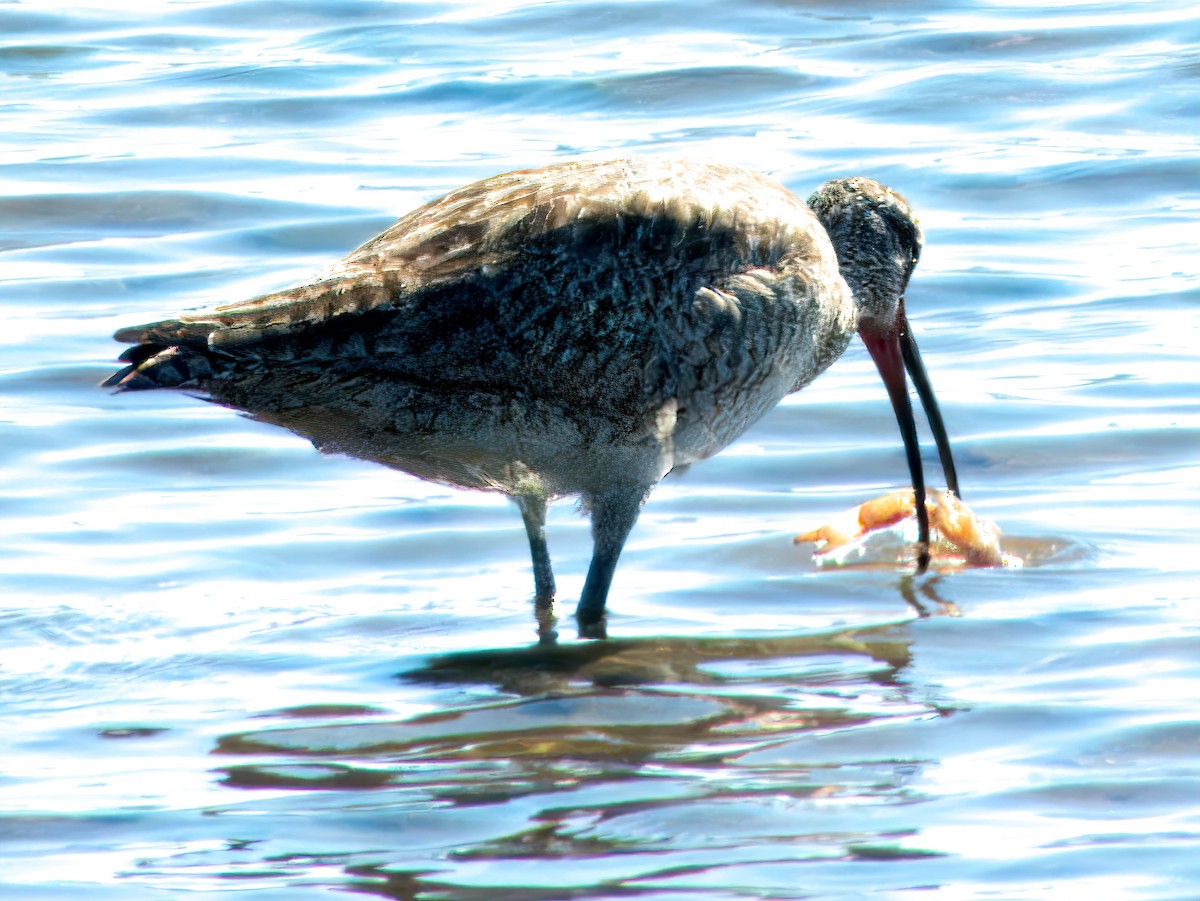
(592, 624)
(547, 621)
(592, 620)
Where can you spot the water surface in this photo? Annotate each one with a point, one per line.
(230, 666)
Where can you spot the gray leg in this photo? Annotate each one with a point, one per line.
(533, 512)
(613, 516)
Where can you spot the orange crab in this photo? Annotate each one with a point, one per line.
(977, 540)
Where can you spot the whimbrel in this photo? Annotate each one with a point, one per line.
(579, 329)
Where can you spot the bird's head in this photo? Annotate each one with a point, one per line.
(878, 242)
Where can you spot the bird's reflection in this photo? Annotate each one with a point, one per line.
(550, 665)
(911, 586)
(620, 700)
(626, 734)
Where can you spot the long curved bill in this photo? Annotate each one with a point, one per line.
(893, 355)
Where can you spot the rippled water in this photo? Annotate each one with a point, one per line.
(231, 666)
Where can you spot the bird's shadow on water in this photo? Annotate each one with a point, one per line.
(537, 740)
(615, 703)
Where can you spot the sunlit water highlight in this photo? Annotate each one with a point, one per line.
(231, 666)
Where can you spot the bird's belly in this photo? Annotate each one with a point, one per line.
(470, 437)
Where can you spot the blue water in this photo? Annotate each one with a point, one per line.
(232, 667)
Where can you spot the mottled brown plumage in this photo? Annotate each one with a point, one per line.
(580, 329)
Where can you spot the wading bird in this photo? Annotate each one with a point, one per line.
(580, 329)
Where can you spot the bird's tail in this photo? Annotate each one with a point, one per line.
(171, 354)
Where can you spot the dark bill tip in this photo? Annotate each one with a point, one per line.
(920, 379)
(888, 353)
